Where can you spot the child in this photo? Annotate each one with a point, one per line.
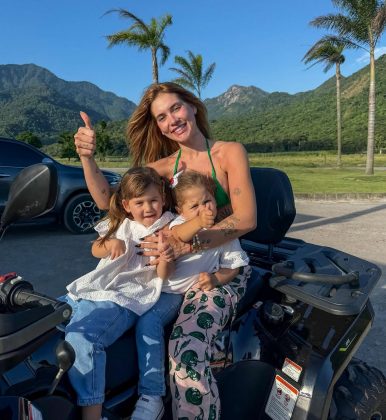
(122, 291)
(210, 300)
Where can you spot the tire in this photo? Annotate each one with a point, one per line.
(360, 393)
(80, 214)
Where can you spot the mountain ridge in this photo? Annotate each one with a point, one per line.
(33, 99)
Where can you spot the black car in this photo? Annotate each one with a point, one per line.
(74, 206)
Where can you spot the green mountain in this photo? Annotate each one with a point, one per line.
(34, 99)
(304, 121)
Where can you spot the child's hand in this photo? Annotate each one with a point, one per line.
(207, 281)
(206, 218)
(164, 248)
(117, 248)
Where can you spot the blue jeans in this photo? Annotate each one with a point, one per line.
(95, 325)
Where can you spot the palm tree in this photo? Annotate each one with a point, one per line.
(360, 25)
(144, 37)
(329, 52)
(192, 74)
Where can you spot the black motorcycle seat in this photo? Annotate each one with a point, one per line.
(275, 206)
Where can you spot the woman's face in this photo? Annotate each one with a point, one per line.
(175, 118)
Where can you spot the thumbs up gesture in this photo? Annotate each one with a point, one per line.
(164, 248)
(85, 140)
(206, 216)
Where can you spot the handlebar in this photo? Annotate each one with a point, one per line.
(283, 269)
(16, 293)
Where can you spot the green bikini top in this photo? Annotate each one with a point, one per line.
(220, 195)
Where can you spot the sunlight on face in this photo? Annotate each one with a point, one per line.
(147, 208)
(175, 118)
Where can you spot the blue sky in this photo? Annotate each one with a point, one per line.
(252, 42)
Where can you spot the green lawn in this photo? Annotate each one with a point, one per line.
(316, 173)
(310, 173)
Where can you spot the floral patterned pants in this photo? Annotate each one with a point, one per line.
(202, 316)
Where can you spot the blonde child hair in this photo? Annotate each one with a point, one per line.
(189, 179)
(133, 184)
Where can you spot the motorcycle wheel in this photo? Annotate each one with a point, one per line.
(360, 393)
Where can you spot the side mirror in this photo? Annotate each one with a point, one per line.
(33, 193)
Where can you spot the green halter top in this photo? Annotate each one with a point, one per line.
(220, 195)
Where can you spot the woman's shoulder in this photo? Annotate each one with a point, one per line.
(227, 150)
(225, 146)
(164, 166)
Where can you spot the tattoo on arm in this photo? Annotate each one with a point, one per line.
(228, 226)
(237, 191)
(205, 243)
(103, 191)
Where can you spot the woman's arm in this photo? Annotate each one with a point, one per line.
(85, 143)
(234, 162)
(242, 196)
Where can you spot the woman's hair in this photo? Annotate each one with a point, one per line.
(189, 179)
(145, 140)
(133, 184)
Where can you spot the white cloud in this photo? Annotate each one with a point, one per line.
(365, 58)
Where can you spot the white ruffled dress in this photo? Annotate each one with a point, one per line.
(125, 280)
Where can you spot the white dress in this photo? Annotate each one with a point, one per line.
(188, 267)
(125, 280)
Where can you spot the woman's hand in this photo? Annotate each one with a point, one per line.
(85, 139)
(150, 244)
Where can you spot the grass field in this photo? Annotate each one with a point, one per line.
(317, 173)
(311, 173)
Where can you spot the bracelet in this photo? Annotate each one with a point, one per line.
(196, 244)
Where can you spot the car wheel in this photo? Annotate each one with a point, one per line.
(81, 214)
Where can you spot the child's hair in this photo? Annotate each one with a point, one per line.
(133, 184)
(189, 179)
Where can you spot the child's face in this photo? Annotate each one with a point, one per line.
(147, 208)
(195, 199)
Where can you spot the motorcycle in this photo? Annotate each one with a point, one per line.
(289, 354)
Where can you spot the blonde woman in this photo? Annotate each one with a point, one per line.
(169, 131)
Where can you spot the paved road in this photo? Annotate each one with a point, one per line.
(50, 257)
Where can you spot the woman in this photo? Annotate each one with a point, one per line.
(169, 131)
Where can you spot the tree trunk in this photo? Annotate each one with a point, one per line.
(154, 65)
(338, 118)
(371, 126)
